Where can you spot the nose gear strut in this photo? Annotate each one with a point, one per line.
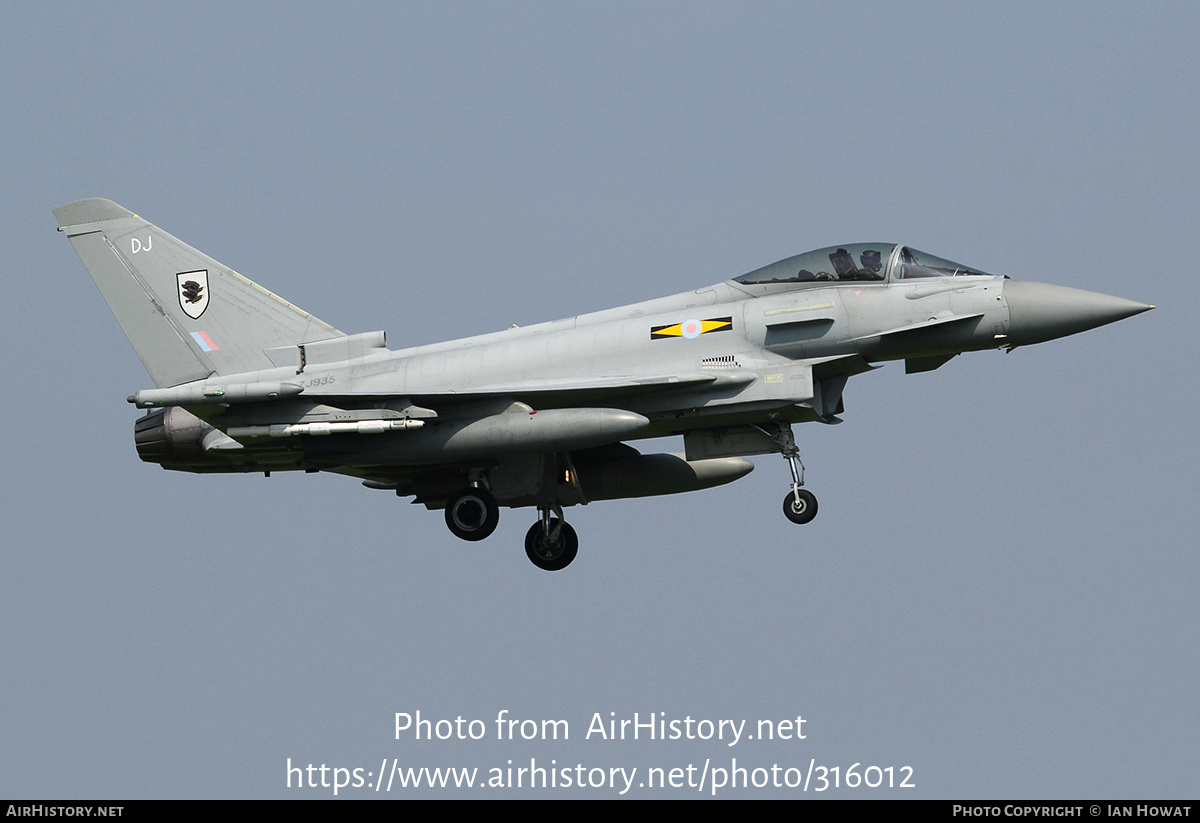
(800, 505)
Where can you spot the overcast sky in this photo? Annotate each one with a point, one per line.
(1000, 589)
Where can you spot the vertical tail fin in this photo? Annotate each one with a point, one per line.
(186, 315)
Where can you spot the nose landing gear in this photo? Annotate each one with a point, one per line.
(800, 505)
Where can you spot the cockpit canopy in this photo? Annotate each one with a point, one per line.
(861, 262)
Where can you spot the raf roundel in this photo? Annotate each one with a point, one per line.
(691, 329)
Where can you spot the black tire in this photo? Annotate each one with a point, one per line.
(805, 511)
(551, 557)
(472, 513)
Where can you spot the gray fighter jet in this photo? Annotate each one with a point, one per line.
(539, 416)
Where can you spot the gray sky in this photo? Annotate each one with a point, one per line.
(1000, 589)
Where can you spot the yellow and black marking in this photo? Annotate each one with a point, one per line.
(690, 329)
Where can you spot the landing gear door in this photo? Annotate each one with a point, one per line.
(732, 441)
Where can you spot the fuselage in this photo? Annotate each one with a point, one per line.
(725, 354)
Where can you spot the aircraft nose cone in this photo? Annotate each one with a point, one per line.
(1039, 312)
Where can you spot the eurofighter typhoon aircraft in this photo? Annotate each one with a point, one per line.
(539, 416)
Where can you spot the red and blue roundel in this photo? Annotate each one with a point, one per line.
(691, 329)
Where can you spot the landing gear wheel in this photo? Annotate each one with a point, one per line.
(800, 511)
(551, 555)
(472, 513)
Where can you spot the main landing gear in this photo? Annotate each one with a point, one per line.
(473, 514)
(551, 544)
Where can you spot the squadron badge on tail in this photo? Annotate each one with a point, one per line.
(193, 292)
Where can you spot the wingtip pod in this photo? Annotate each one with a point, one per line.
(89, 210)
